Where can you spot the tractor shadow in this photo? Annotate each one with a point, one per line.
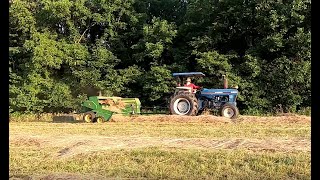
(67, 119)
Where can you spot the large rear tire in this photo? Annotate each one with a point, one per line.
(229, 111)
(184, 104)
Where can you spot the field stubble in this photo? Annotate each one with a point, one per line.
(163, 147)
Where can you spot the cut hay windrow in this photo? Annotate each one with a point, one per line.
(171, 118)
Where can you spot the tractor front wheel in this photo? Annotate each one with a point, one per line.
(184, 104)
(89, 117)
(229, 111)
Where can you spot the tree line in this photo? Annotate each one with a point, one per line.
(62, 51)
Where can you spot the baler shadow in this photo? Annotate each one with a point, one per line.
(66, 119)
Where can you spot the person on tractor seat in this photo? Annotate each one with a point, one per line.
(189, 84)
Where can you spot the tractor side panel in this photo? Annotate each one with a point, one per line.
(211, 93)
(218, 97)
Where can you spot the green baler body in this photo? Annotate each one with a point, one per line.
(131, 106)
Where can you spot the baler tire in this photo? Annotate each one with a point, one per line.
(192, 101)
(89, 117)
(100, 119)
(232, 107)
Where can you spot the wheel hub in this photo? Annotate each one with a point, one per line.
(100, 120)
(88, 118)
(228, 112)
(182, 106)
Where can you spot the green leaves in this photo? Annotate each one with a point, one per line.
(158, 81)
(159, 30)
(61, 51)
(47, 52)
(60, 97)
(250, 67)
(154, 50)
(157, 37)
(213, 63)
(21, 17)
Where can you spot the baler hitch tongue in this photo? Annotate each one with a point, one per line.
(102, 108)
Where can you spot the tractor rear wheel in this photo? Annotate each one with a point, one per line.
(229, 111)
(89, 116)
(184, 104)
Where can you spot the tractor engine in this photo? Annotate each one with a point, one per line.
(215, 103)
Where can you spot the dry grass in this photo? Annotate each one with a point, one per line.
(188, 129)
(163, 147)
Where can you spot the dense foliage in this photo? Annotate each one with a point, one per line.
(64, 50)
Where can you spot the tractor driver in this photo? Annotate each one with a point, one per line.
(189, 84)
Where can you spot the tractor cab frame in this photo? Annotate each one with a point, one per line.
(181, 78)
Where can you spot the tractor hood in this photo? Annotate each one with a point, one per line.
(219, 91)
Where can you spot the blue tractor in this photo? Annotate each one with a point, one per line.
(191, 102)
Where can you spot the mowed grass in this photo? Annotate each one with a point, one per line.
(158, 162)
(159, 129)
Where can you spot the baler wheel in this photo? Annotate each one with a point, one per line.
(229, 111)
(100, 119)
(89, 116)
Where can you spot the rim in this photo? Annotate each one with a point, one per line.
(228, 112)
(181, 106)
(88, 117)
(99, 120)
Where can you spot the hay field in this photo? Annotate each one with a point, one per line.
(162, 147)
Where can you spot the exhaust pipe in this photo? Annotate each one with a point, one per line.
(225, 82)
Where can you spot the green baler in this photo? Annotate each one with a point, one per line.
(101, 108)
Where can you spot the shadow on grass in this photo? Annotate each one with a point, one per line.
(66, 119)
